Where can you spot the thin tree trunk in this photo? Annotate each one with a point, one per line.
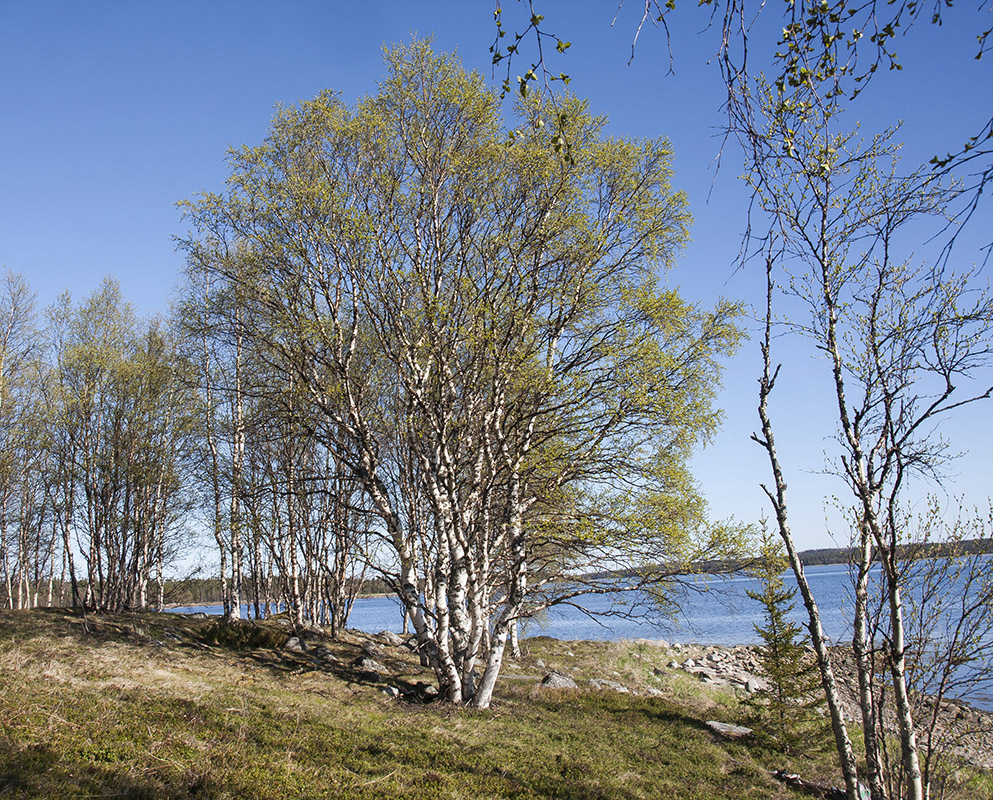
(864, 653)
(515, 641)
(843, 744)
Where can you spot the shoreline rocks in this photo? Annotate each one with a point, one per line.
(968, 731)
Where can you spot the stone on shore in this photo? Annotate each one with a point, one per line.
(556, 680)
(390, 638)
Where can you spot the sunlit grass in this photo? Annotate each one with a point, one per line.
(117, 709)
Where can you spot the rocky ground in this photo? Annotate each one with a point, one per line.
(964, 730)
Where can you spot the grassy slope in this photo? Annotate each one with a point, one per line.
(141, 707)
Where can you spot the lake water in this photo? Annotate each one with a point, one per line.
(711, 611)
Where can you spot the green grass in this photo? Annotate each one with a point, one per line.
(99, 709)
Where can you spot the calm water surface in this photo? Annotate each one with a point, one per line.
(711, 611)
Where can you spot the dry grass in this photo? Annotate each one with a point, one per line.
(153, 707)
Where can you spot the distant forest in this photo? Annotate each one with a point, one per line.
(843, 555)
(846, 555)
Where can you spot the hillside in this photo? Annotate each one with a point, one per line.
(166, 706)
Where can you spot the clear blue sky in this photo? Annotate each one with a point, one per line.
(111, 112)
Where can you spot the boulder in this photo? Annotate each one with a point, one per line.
(367, 664)
(728, 731)
(324, 654)
(614, 686)
(556, 680)
(662, 644)
(390, 638)
(295, 644)
(371, 649)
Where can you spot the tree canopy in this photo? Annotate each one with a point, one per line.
(477, 326)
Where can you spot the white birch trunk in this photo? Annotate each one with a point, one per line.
(843, 744)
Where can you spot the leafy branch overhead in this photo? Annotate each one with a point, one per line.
(830, 49)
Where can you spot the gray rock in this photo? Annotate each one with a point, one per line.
(729, 731)
(390, 638)
(391, 691)
(613, 686)
(296, 644)
(369, 665)
(371, 649)
(651, 691)
(324, 654)
(752, 685)
(556, 680)
(426, 689)
(540, 664)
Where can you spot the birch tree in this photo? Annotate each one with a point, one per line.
(904, 342)
(119, 443)
(479, 323)
(24, 555)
